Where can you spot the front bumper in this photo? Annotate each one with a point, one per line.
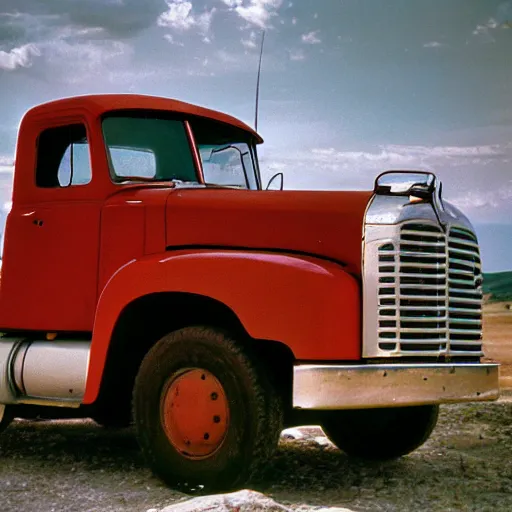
(325, 386)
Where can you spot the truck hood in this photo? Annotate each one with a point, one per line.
(323, 224)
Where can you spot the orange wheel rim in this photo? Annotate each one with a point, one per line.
(195, 413)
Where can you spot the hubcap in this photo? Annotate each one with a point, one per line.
(195, 413)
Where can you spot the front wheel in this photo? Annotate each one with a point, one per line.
(380, 434)
(206, 415)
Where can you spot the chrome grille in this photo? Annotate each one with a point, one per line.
(465, 292)
(428, 301)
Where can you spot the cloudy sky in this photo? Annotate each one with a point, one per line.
(349, 87)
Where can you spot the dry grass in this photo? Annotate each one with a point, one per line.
(498, 339)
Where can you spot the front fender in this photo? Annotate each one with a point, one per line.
(311, 305)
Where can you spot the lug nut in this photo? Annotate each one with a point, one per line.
(216, 419)
(214, 396)
(206, 436)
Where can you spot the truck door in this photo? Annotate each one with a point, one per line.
(50, 265)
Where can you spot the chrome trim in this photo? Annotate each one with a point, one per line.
(17, 366)
(392, 385)
(55, 370)
(43, 372)
(8, 347)
(392, 274)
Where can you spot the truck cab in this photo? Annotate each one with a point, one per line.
(148, 278)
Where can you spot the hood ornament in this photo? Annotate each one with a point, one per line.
(419, 186)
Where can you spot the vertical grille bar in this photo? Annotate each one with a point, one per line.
(429, 303)
(465, 278)
(388, 313)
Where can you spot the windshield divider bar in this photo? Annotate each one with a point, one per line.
(195, 153)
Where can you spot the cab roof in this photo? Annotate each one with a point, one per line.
(99, 104)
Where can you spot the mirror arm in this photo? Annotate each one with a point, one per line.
(273, 178)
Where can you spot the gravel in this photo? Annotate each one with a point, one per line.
(75, 465)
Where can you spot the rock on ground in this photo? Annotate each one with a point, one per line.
(241, 501)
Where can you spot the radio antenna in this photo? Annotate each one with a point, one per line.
(258, 84)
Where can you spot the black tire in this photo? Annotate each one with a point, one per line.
(6, 417)
(255, 411)
(380, 434)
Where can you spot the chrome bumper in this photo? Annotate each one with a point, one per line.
(392, 385)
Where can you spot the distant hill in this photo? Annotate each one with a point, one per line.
(498, 286)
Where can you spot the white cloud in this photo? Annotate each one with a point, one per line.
(120, 19)
(6, 179)
(433, 44)
(330, 166)
(180, 16)
(294, 21)
(297, 55)
(204, 20)
(255, 12)
(311, 38)
(21, 57)
(226, 57)
(170, 39)
(484, 30)
(62, 52)
(6, 161)
(475, 178)
(72, 61)
(250, 42)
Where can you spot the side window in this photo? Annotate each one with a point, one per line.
(63, 157)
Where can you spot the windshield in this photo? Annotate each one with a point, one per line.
(142, 148)
(148, 149)
(228, 154)
(228, 164)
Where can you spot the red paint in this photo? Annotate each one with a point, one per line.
(195, 413)
(75, 257)
(49, 270)
(321, 223)
(312, 306)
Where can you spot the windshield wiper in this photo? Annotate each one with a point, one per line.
(146, 179)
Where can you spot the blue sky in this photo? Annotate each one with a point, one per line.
(349, 88)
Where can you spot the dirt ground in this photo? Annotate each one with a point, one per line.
(466, 464)
(77, 466)
(498, 339)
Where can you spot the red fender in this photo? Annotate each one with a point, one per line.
(311, 305)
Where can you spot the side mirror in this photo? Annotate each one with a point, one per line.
(280, 176)
(406, 183)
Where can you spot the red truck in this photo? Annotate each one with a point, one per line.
(147, 277)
